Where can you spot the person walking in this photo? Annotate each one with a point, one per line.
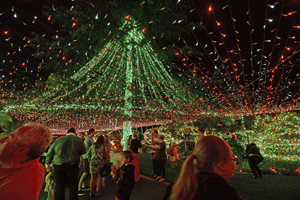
(254, 158)
(107, 147)
(65, 154)
(86, 168)
(135, 144)
(97, 156)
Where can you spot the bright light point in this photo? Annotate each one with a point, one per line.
(272, 6)
(96, 17)
(35, 17)
(127, 17)
(270, 20)
(209, 9)
(15, 15)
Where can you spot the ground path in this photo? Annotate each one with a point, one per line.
(146, 189)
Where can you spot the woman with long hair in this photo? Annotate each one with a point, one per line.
(97, 161)
(204, 175)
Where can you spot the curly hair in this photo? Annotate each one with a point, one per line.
(35, 136)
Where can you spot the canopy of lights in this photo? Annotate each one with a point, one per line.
(99, 63)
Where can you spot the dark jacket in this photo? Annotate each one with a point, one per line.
(211, 187)
(252, 149)
(135, 145)
(125, 181)
(162, 151)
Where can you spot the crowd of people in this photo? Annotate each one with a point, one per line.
(204, 174)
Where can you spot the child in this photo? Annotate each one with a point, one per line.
(50, 184)
(124, 177)
(172, 155)
(175, 146)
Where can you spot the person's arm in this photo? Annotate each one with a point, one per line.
(83, 150)
(50, 155)
(89, 152)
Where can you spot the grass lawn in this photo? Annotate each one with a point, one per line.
(275, 187)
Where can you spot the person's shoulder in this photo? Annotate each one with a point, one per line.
(130, 167)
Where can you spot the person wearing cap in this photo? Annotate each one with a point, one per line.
(21, 173)
(65, 154)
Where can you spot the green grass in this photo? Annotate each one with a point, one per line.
(275, 187)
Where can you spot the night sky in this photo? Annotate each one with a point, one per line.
(254, 44)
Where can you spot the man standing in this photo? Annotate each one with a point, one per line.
(155, 146)
(65, 153)
(86, 167)
(21, 173)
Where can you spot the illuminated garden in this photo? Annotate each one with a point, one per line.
(176, 64)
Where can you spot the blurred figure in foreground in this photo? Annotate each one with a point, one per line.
(21, 173)
(204, 175)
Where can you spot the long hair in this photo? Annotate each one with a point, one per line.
(100, 140)
(208, 153)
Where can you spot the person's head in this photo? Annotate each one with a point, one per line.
(91, 132)
(155, 133)
(135, 136)
(100, 140)
(105, 138)
(127, 157)
(201, 130)
(71, 130)
(162, 137)
(26, 143)
(211, 154)
(208, 132)
(82, 135)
